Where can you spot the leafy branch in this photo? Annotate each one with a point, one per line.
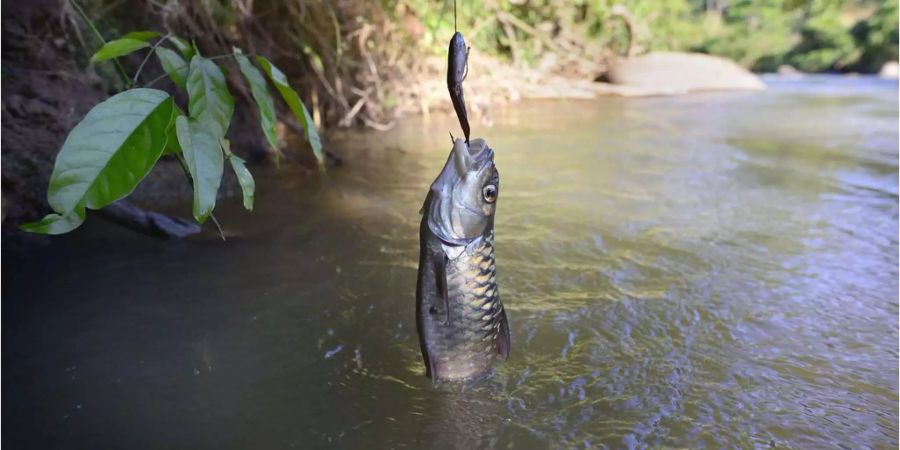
(121, 139)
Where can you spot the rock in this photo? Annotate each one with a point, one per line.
(151, 223)
(787, 70)
(664, 73)
(890, 69)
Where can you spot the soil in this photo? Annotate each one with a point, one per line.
(45, 97)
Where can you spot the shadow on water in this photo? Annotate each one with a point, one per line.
(717, 270)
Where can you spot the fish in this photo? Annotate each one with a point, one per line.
(461, 323)
(457, 70)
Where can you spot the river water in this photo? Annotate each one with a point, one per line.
(708, 271)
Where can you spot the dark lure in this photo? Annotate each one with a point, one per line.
(461, 323)
(457, 69)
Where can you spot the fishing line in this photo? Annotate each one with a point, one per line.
(454, 16)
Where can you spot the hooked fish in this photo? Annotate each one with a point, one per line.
(457, 70)
(461, 323)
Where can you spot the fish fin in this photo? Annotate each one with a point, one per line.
(503, 341)
(426, 203)
(440, 272)
(429, 366)
(466, 74)
(427, 354)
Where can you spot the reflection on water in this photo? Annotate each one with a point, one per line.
(717, 270)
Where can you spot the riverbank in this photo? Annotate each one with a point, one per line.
(56, 100)
(357, 65)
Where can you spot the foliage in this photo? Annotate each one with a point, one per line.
(749, 31)
(263, 101)
(814, 35)
(118, 142)
(294, 103)
(204, 159)
(245, 179)
(877, 38)
(174, 65)
(117, 48)
(825, 43)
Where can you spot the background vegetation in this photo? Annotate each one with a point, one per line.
(363, 62)
(812, 35)
(353, 59)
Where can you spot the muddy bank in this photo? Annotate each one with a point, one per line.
(45, 95)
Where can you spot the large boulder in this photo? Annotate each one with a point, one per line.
(787, 70)
(890, 69)
(677, 73)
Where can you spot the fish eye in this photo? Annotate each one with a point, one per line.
(490, 193)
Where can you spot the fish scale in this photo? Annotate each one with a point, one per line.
(465, 342)
(471, 285)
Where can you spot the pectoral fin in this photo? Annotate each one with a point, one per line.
(503, 341)
(465, 75)
(429, 364)
(440, 272)
(426, 203)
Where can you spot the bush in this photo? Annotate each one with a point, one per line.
(877, 38)
(825, 44)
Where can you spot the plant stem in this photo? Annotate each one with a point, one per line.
(152, 49)
(157, 79)
(99, 37)
(218, 226)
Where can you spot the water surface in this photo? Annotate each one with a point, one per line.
(708, 271)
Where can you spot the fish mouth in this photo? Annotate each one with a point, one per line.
(471, 157)
(480, 152)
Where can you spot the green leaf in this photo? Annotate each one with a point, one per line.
(263, 101)
(186, 49)
(244, 177)
(57, 224)
(111, 150)
(205, 163)
(297, 107)
(117, 48)
(174, 65)
(141, 35)
(172, 145)
(208, 98)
